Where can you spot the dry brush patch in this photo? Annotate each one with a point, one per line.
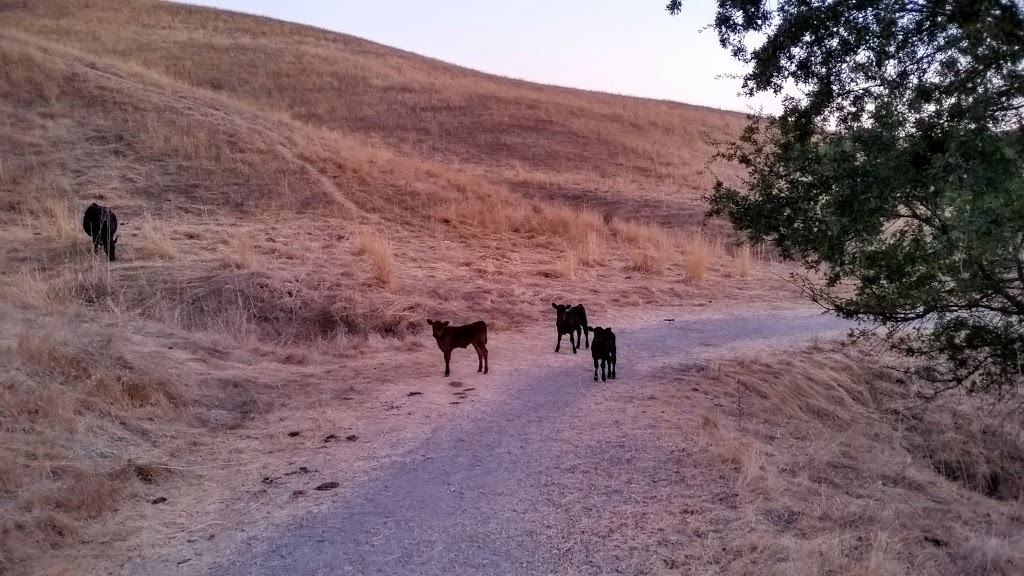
(839, 470)
(70, 418)
(377, 250)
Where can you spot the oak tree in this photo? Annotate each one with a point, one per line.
(895, 168)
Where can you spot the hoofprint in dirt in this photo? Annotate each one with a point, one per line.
(488, 492)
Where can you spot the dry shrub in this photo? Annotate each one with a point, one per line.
(154, 240)
(43, 354)
(377, 248)
(588, 248)
(242, 251)
(836, 475)
(52, 217)
(742, 261)
(648, 261)
(568, 268)
(65, 403)
(978, 453)
(653, 247)
(992, 556)
(698, 253)
(29, 288)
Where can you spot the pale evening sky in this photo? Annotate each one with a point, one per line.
(632, 48)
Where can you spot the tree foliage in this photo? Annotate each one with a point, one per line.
(895, 169)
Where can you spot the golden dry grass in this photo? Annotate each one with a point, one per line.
(698, 253)
(153, 239)
(805, 462)
(377, 249)
(242, 156)
(743, 261)
(241, 250)
(840, 470)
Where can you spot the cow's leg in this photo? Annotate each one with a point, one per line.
(604, 364)
(595, 369)
(611, 366)
(576, 343)
(95, 243)
(558, 346)
(447, 362)
(479, 357)
(586, 334)
(483, 348)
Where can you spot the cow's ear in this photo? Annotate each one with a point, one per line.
(430, 322)
(445, 323)
(555, 306)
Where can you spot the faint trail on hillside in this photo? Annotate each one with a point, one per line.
(458, 503)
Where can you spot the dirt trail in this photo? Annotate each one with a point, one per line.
(476, 496)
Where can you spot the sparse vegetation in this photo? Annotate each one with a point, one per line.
(698, 253)
(377, 249)
(840, 469)
(742, 258)
(153, 238)
(242, 250)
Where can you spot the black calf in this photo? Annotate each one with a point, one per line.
(603, 351)
(100, 223)
(571, 320)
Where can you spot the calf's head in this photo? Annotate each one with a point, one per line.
(561, 310)
(437, 326)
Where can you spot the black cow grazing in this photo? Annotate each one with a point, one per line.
(100, 223)
(571, 320)
(603, 351)
(452, 337)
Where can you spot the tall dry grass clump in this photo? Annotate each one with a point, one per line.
(376, 247)
(52, 217)
(587, 247)
(742, 261)
(154, 240)
(698, 254)
(653, 248)
(241, 251)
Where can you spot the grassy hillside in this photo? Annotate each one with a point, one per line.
(287, 197)
(214, 133)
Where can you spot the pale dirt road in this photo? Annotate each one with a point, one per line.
(498, 490)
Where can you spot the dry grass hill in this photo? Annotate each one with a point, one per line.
(293, 204)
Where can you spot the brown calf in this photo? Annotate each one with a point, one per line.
(452, 337)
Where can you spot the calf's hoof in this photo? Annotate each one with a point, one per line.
(595, 378)
(573, 350)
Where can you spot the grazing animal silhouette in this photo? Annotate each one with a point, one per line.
(603, 351)
(100, 223)
(452, 337)
(571, 320)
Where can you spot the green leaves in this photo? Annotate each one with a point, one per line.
(898, 170)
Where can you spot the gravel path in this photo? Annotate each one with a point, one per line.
(464, 501)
